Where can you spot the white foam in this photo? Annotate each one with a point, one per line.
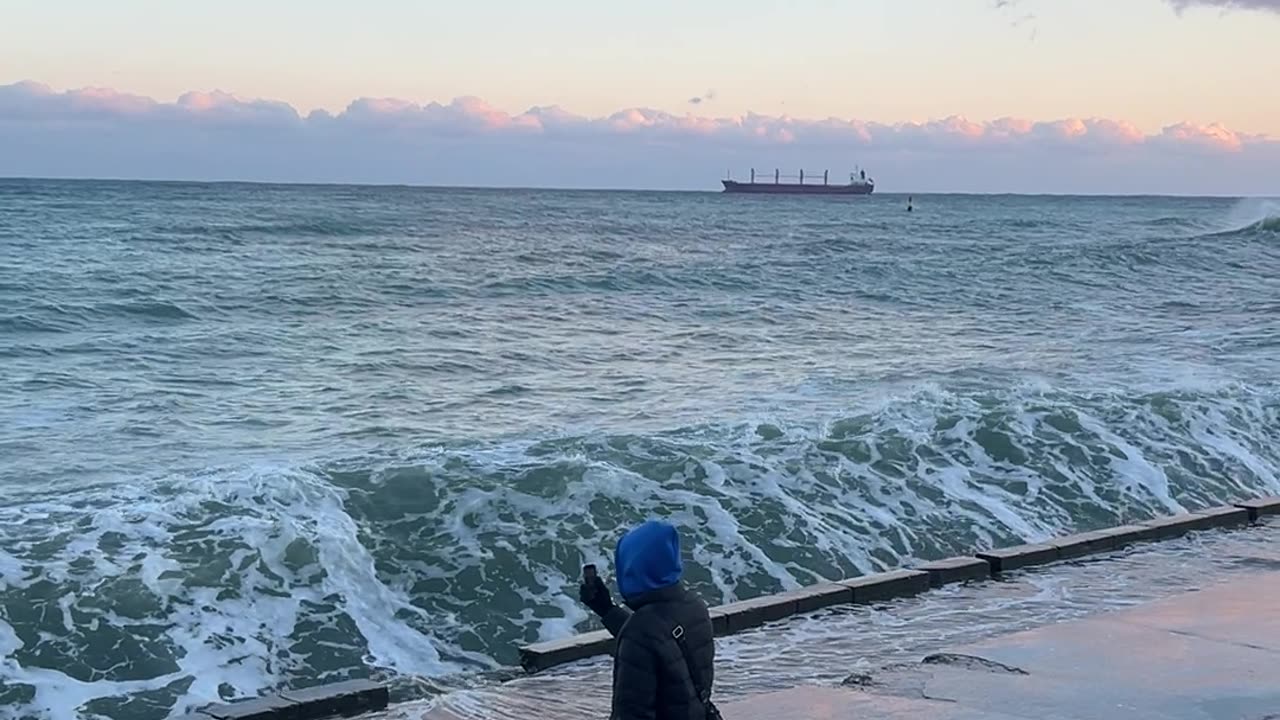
(1212, 429)
(9, 641)
(562, 593)
(1134, 473)
(12, 571)
(238, 641)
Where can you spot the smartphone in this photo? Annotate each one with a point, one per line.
(588, 574)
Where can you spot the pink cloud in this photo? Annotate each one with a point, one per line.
(1011, 127)
(1070, 128)
(1213, 136)
(382, 106)
(462, 115)
(36, 99)
(92, 99)
(34, 115)
(1118, 131)
(467, 115)
(481, 115)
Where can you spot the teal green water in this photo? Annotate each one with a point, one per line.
(255, 436)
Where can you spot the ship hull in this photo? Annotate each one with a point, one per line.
(733, 186)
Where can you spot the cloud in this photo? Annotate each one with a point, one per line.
(708, 96)
(1021, 19)
(99, 132)
(1213, 136)
(1177, 5)
(1264, 5)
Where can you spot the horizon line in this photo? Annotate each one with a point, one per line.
(608, 189)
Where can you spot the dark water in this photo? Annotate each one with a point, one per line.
(254, 436)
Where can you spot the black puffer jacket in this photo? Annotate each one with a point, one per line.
(651, 679)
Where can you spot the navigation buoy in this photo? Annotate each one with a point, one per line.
(909, 200)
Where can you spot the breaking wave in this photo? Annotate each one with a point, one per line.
(1252, 217)
(229, 582)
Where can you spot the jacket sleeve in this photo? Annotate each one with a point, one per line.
(615, 619)
(635, 681)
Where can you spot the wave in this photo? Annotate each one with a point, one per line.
(1264, 227)
(317, 227)
(621, 279)
(441, 559)
(221, 583)
(1176, 221)
(153, 309)
(1267, 225)
(26, 322)
(66, 317)
(1251, 217)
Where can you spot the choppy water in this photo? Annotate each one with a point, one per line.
(252, 436)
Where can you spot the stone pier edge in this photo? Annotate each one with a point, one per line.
(982, 565)
(342, 699)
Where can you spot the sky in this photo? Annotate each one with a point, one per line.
(929, 95)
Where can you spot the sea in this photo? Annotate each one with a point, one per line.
(264, 436)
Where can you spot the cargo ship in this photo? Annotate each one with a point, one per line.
(859, 184)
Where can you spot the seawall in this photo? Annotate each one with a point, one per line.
(344, 699)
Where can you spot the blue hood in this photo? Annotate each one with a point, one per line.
(648, 559)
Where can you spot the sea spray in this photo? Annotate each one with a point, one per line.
(1259, 214)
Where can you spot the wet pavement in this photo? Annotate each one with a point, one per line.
(1207, 655)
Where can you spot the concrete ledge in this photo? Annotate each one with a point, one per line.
(322, 701)
(1225, 516)
(888, 585)
(541, 656)
(753, 613)
(263, 708)
(747, 614)
(1018, 556)
(1259, 508)
(345, 698)
(719, 622)
(956, 569)
(1217, 517)
(1081, 544)
(1105, 540)
(1124, 535)
(817, 597)
(1170, 527)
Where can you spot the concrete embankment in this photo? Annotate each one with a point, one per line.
(343, 699)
